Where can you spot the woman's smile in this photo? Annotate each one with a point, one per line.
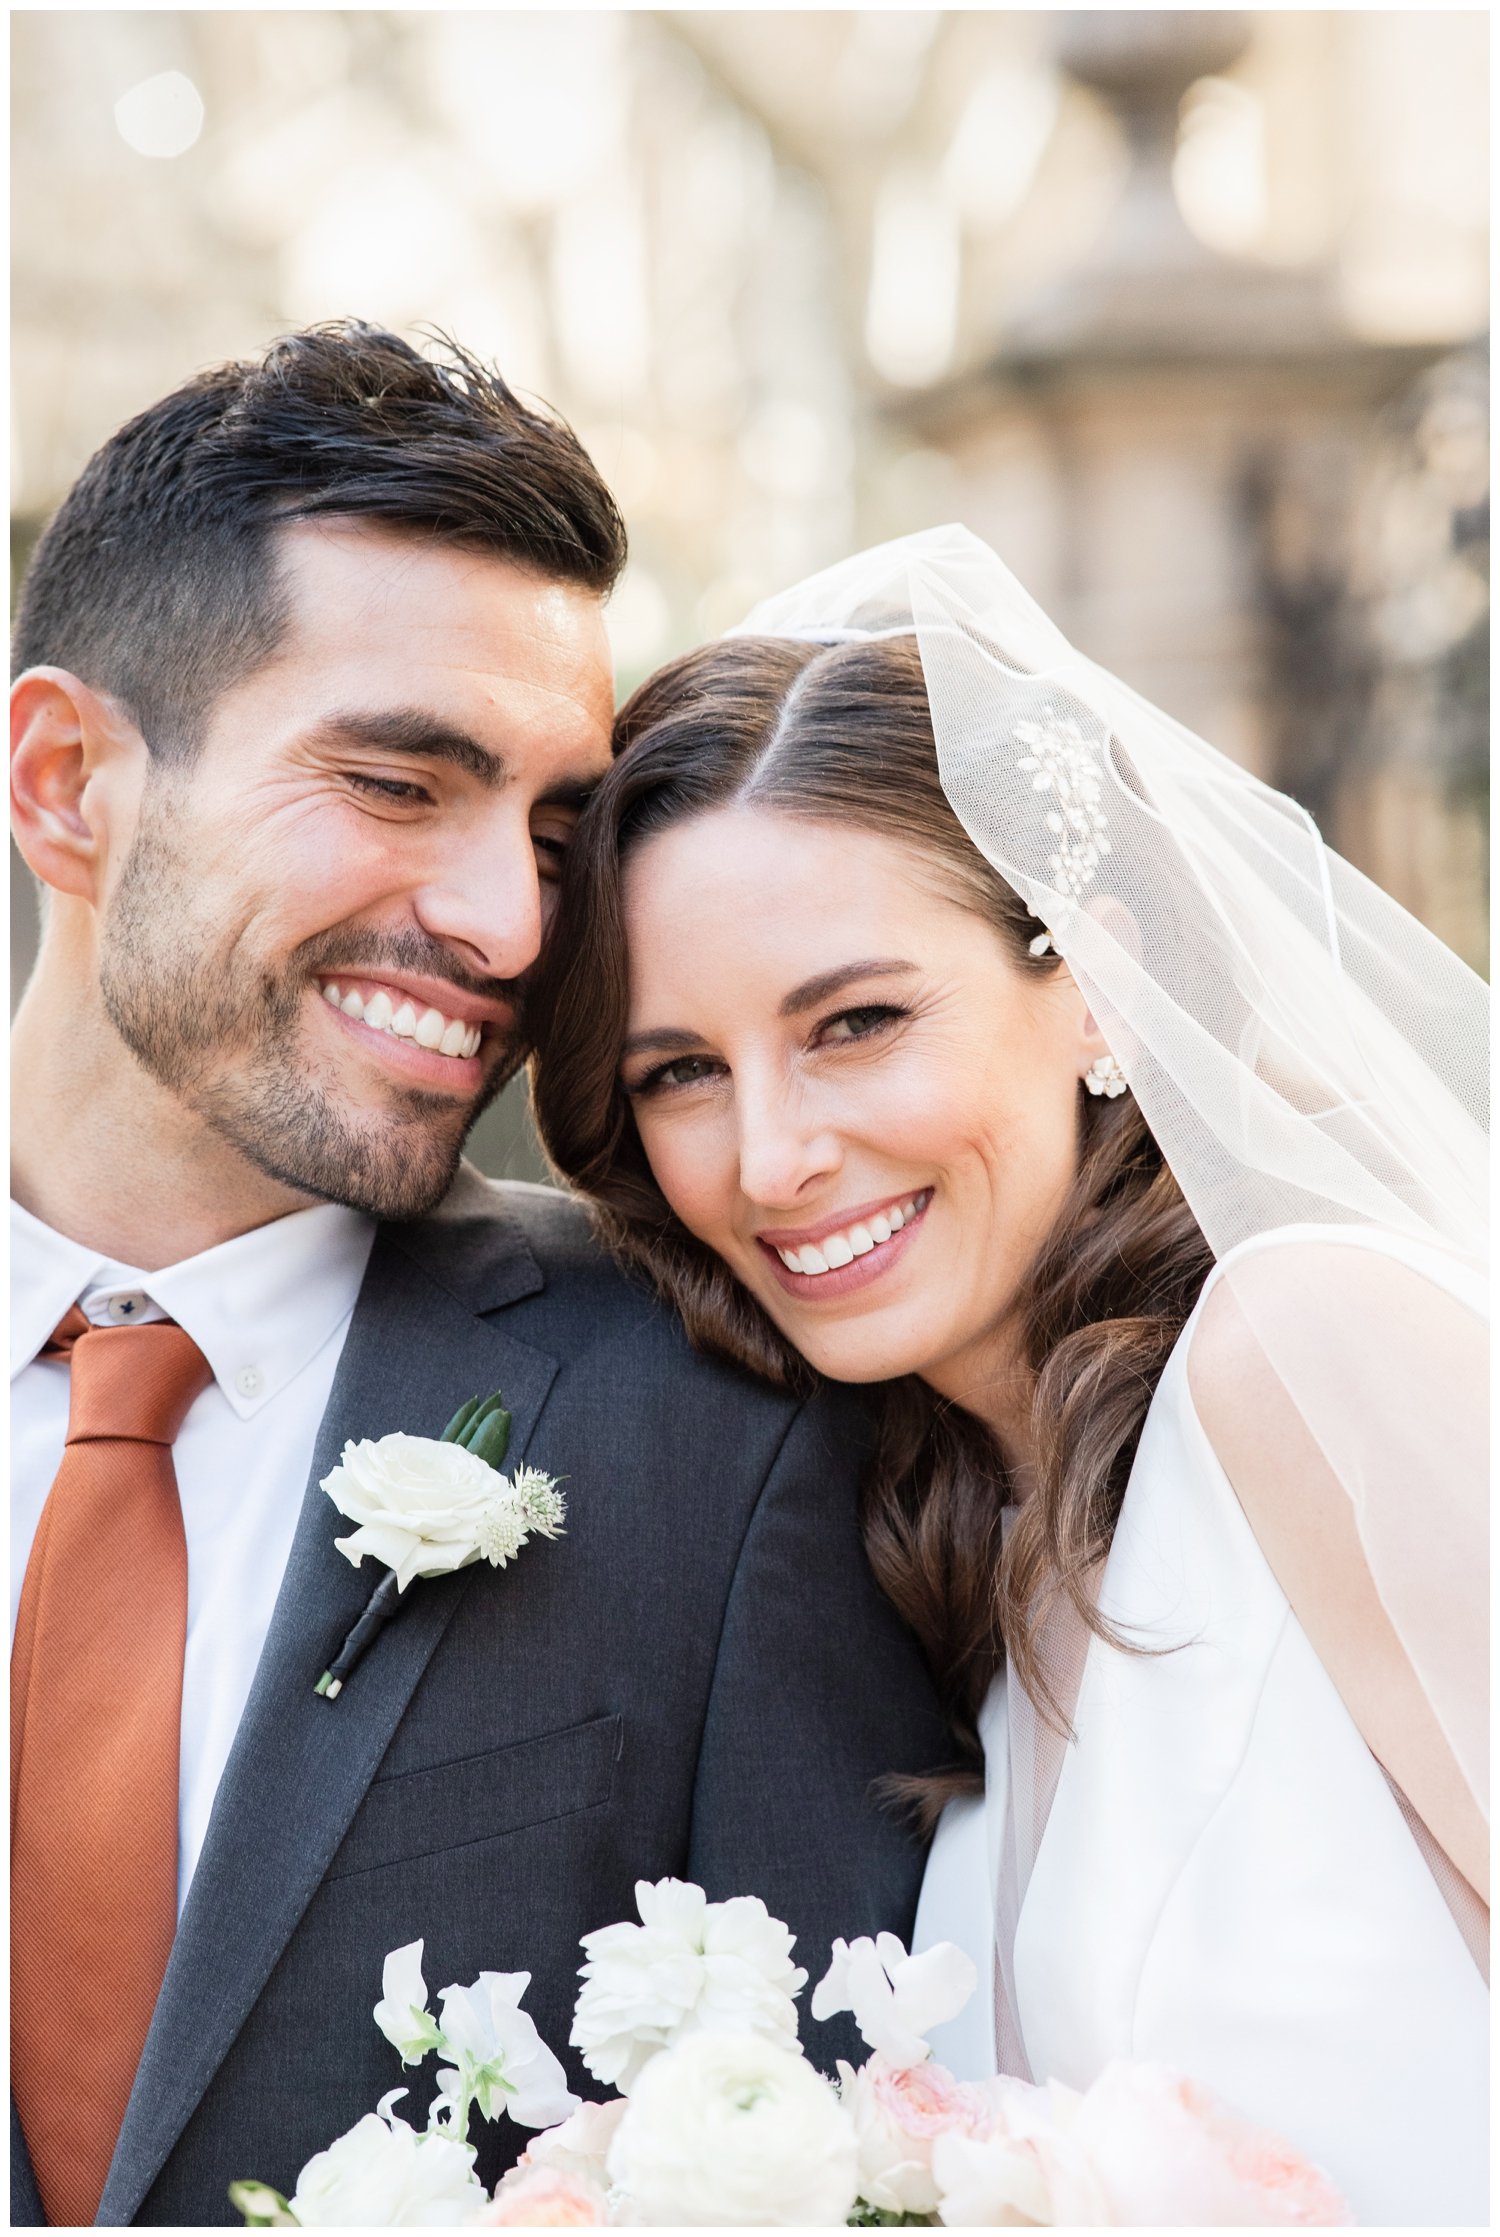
(847, 1251)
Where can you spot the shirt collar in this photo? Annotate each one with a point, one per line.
(259, 1307)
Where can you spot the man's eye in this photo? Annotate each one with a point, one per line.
(388, 788)
(859, 1025)
(551, 850)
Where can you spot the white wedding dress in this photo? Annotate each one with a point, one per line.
(1227, 1882)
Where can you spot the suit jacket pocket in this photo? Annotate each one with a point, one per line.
(421, 1813)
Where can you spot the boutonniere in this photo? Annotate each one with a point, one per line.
(428, 1505)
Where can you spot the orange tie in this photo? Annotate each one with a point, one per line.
(96, 1707)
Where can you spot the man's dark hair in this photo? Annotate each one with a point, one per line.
(155, 581)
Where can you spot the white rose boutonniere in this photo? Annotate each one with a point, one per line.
(426, 1506)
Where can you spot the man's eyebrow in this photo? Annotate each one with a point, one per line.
(407, 730)
(671, 1040)
(568, 792)
(813, 991)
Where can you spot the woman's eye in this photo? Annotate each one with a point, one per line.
(859, 1025)
(388, 788)
(681, 1071)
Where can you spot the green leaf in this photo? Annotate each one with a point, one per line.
(454, 1433)
(492, 1442)
(484, 1412)
(260, 2207)
(875, 2217)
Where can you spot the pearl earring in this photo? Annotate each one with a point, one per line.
(1106, 1076)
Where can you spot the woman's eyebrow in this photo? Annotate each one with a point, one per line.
(674, 1040)
(813, 991)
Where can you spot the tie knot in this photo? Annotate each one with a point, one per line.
(129, 1383)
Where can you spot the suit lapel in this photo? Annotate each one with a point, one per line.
(300, 1765)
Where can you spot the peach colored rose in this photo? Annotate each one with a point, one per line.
(899, 2112)
(545, 2198)
(1023, 2169)
(1168, 2151)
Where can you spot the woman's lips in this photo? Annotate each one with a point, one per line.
(841, 1281)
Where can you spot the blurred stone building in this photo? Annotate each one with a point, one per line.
(1182, 310)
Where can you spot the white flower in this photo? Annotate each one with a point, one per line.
(383, 2175)
(503, 2064)
(402, 2015)
(425, 1507)
(734, 2131)
(895, 1999)
(690, 1964)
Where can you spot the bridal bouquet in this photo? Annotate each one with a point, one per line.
(717, 2118)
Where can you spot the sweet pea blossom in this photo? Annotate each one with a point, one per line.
(580, 2144)
(402, 2015)
(734, 2131)
(426, 1507)
(382, 2175)
(690, 1964)
(503, 2064)
(895, 1999)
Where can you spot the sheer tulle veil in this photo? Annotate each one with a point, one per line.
(1308, 1057)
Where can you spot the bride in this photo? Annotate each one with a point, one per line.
(927, 1011)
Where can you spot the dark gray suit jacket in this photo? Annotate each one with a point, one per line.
(699, 1679)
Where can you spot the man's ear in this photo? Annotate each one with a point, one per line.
(75, 761)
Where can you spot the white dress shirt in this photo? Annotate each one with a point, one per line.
(269, 1311)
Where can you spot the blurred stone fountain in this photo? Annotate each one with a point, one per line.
(1182, 443)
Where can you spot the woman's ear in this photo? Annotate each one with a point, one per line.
(1116, 920)
(68, 746)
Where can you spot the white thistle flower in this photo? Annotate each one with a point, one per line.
(540, 1500)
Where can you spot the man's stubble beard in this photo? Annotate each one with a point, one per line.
(221, 1034)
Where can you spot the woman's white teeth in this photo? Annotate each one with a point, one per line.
(840, 1250)
(449, 1036)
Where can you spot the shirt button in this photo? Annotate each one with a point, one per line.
(249, 1382)
(128, 1305)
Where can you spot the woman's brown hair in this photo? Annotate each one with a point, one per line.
(842, 734)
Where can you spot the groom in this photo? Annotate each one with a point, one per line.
(312, 682)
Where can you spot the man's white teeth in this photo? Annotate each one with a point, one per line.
(841, 1250)
(449, 1036)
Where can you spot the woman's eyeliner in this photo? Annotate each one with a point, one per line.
(659, 1079)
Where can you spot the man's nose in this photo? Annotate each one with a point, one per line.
(484, 899)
